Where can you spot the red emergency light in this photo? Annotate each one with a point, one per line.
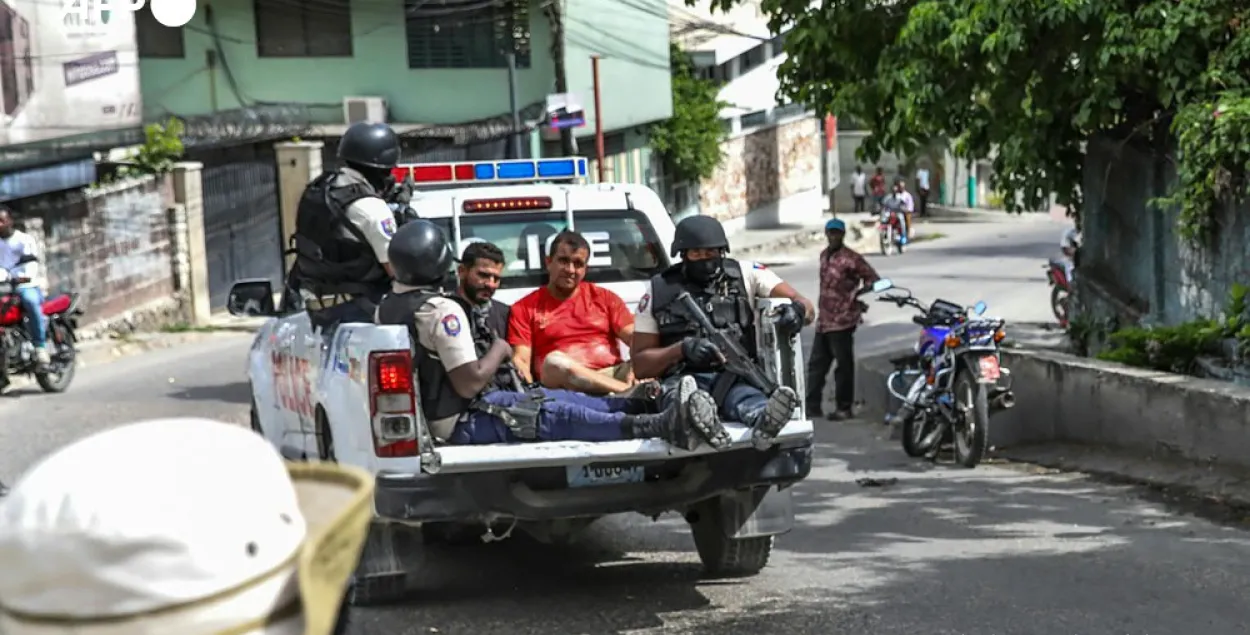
(482, 172)
(507, 204)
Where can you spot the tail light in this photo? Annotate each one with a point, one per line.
(392, 404)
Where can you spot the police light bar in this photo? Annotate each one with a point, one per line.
(480, 172)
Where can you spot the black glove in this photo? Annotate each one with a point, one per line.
(700, 352)
(789, 318)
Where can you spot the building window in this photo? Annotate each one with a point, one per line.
(297, 29)
(156, 39)
(442, 34)
(751, 59)
(755, 119)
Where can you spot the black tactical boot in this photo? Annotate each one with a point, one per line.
(768, 422)
(688, 420)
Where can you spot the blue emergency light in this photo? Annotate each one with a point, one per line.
(478, 172)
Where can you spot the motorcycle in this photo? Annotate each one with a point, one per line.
(890, 230)
(956, 379)
(17, 352)
(1060, 290)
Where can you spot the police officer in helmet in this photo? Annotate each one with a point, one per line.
(668, 344)
(455, 384)
(343, 228)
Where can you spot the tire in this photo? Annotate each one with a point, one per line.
(914, 431)
(884, 239)
(67, 354)
(722, 556)
(971, 445)
(254, 419)
(1059, 304)
(325, 439)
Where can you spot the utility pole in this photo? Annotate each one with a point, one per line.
(515, 137)
(594, 70)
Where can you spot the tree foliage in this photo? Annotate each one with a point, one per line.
(689, 141)
(1027, 82)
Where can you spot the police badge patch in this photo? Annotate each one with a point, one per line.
(642, 303)
(388, 227)
(451, 325)
(759, 266)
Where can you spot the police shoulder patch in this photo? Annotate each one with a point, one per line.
(756, 265)
(387, 226)
(642, 303)
(451, 325)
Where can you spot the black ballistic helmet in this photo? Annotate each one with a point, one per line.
(699, 232)
(419, 254)
(372, 145)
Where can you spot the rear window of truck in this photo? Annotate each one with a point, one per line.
(623, 245)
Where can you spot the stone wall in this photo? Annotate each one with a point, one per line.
(763, 168)
(116, 245)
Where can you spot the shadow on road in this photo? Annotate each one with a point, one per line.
(997, 249)
(237, 393)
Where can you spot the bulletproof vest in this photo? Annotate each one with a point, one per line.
(332, 255)
(490, 322)
(724, 299)
(439, 398)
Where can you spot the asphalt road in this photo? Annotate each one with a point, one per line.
(992, 551)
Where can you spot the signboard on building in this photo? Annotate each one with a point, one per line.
(65, 70)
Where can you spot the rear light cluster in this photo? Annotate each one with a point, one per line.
(507, 204)
(392, 405)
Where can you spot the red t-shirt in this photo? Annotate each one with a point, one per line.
(587, 326)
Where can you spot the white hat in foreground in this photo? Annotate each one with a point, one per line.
(179, 527)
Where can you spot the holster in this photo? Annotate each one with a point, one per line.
(521, 417)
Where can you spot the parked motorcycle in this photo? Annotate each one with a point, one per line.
(890, 231)
(17, 352)
(955, 379)
(1060, 290)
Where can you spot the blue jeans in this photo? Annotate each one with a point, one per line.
(742, 404)
(566, 416)
(32, 304)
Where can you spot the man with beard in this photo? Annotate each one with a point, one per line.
(480, 271)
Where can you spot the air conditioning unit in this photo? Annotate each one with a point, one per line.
(367, 109)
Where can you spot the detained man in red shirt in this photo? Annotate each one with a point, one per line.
(567, 334)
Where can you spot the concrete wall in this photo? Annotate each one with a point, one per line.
(770, 176)
(126, 247)
(1077, 400)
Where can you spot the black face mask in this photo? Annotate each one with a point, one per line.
(703, 270)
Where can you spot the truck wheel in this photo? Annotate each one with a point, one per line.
(255, 420)
(325, 440)
(722, 556)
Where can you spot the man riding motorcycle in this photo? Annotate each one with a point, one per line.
(14, 244)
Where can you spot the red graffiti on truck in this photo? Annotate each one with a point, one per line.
(292, 385)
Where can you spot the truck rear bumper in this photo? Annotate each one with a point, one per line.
(544, 493)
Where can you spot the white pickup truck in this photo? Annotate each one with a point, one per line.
(349, 398)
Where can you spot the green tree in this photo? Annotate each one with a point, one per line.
(1033, 80)
(689, 141)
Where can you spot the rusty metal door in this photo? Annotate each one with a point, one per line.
(242, 221)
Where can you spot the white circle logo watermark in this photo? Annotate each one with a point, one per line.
(170, 13)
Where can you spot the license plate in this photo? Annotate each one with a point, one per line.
(597, 475)
(989, 368)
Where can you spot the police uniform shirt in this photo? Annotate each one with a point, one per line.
(443, 327)
(758, 279)
(372, 216)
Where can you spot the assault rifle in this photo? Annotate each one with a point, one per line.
(737, 361)
(483, 343)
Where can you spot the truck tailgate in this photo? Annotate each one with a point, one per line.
(483, 458)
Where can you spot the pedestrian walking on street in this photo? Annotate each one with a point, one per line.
(843, 273)
(859, 188)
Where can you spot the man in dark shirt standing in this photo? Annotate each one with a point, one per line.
(843, 272)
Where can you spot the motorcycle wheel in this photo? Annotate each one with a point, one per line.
(63, 361)
(1059, 304)
(885, 242)
(915, 429)
(972, 430)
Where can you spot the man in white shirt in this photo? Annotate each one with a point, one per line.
(14, 245)
(904, 201)
(1069, 243)
(859, 188)
(922, 189)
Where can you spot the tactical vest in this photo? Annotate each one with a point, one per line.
(439, 398)
(332, 255)
(490, 323)
(724, 299)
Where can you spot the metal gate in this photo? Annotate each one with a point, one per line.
(242, 221)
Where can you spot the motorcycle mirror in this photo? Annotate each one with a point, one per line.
(979, 308)
(884, 284)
